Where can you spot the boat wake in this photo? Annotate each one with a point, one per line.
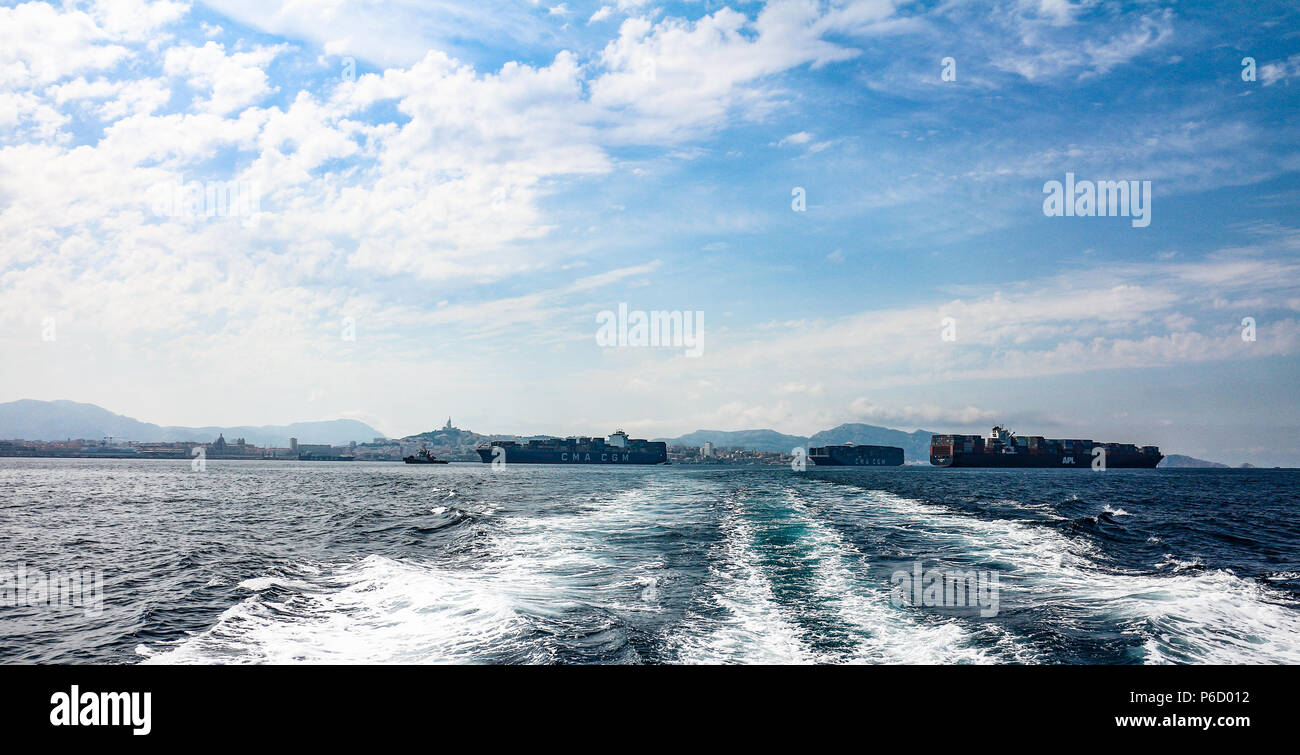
(699, 569)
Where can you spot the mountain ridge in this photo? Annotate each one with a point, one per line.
(1182, 461)
(31, 419)
(915, 445)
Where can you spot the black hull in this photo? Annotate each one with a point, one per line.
(1045, 461)
(603, 458)
(856, 456)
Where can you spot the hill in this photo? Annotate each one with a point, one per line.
(915, 445)
(58, 420)
(1179, 461)
(753, 440)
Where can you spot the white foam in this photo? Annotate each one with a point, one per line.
(1173, 564)
(593, 569)
(375, 611)
(258, 584)
(755, 627)
(889, 634)
(1210, 616)
(381, 610)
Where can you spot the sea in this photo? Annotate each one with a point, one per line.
(250, 562)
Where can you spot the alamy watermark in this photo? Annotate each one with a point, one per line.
(799, 199)
(662, 329)
(949, 70)
(77, 708)
(1102, 199)
(207, 199)
(945, 588)
(57, 589)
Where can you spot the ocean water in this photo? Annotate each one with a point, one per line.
(268, 562)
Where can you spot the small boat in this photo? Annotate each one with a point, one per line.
(424, 457)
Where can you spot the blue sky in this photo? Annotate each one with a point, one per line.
(494, 175)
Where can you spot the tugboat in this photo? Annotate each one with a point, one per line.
(424, 457)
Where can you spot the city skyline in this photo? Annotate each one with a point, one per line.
(409, 222)
(345, 432)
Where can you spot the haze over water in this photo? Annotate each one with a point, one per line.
(253, 562)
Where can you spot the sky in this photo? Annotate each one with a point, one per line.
(438, 200)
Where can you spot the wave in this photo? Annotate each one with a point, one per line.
(755, 627)
(711, 570)
(1188, 616)
(837, 615)
(374, 611)
(550, 589)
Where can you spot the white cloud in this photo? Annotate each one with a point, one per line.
(115, 99)
(799, 137)
(437, 181)
(137, 20)
(1037, 46)
(1272, 72)
(395, 33)
(865, 410)
(798, 388)
(40, 45)
(1063, 326)
(680, 77)
(28, 114)
(233, 81)
(451, 189)
(1058, 12)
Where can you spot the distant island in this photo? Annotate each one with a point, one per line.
(1179, 461)
(66, 428)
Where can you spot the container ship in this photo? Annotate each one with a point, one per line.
(850, 455)
(618, 449)
(1004, 448)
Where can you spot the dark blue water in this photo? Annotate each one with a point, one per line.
(253, 562)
